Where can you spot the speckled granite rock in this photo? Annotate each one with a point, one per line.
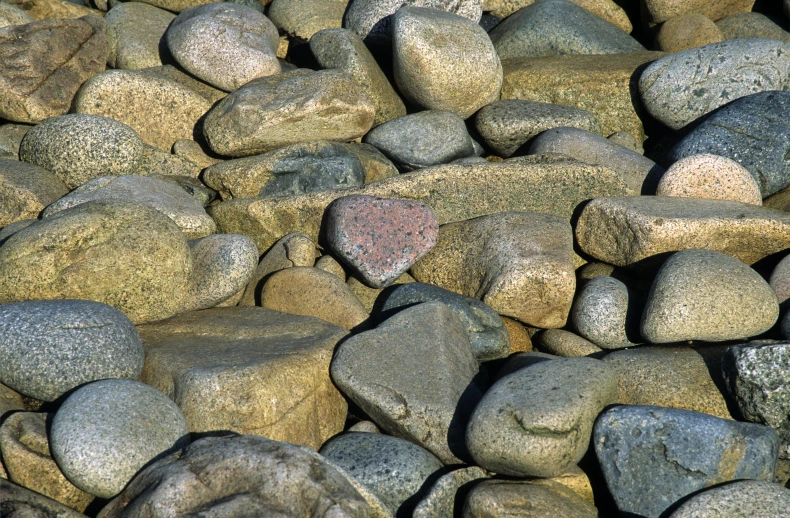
(752, 25)
(687, 31)
(446, 495)
(604, 312)
(18, 501)
(657, 11)
(527, 499)
(780, 280)
(302, 19)
(26, 189)
(222, 266)
(741, 499)
(606, 9)
(710, 176)
(135, 31)
(566, 344)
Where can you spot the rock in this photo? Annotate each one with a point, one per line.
(706, 295)
(413, 376)
(443, 61)
(291, 107)
(677, 453)
(26, 189)
(136, 32)
(43, 9)
(710, 176)
(739, 499)
(13, 15)
(566, 344)
(657, 11)
(558, 27)
(392, 469)
(520, 264)
(210, 93)
(674, 377)
(525, 499)
(248, 370)
(780, 280)
(599, 84)
(604, 312)
(520, 340)
(403, 232)
(487, 332)
(11, 136)
(10, 401)
(622, 138)
(329, 264)
(371, 297)
(223, 265)
(155, 162)
(129, 256)
(344, 50)
(45, 62)
(259, 477)
(312, 292)
(445, 497)
(170, 200)
(606, 9)
(662, 224)
(25, 449)
(752, 131)
(423, 139)
(303, 18)
(688, 31)
(638, 172)
(59, 145)
(509, 124)
(193, 152)
(107, 430)
(751, 25)
(226, 45)
(18, 501)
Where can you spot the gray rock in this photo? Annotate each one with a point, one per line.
(604, 313)
(301, 174)
(13, 15)
(681, 87)
(445, 497)
(780, 280)
(566, 344)
(25, 190)
(423, 139)
(754, 131)
(752, 25)
(192, 186)
(558, 27)
(652, 457)
(79, 147)
(18, 501)
(710, 296)
(413, 376)
(392, 469)
(523, 360)
(625, 139)
(11, 136)
(107, 430)
(509, 124)
(224, 44)
(136, 32)
(487, 332)
(52, 346)
(525, 499)
(537, 420)
(741, 499)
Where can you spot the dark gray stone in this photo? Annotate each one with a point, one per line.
(652, 457)
(601, 313)
(52, 346)
(331, 168)
(558, 27)
(392, 469)
(487, 332)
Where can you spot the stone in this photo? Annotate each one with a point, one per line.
(193, 152)
(566, 344)
(443, 61)
(710, 176)
(599, 84)
(558, 27)
(710, 296)
(520, 340)
(372, 298)
(19, 501)
(657, 11)
(604, 313)
(59, 145)
(169, 199)
(621, 138)
(302, 19)
(446, 495)
(329, 264)
(25, 449)
(487, 332)
(423, 139)
(45, 62)
(107, 430)
(652, 457)
(606, 9)
(751, 25)
(224, 44)
(135, 31)
(752, 131)
(248, 370)
(537, 421)
(208, 92)
(688, 31)
(525, 499)
(297, 106)
(13, 15)
(10, 401)
(222, 266)
(344, 50)
(155, 162)
(302, 290)
(520, 264)
(43, 9)
(520, 361)
(160, 110)
(11, 136)
(413, 376)
(26, 189)
(780, 280)
(574, 479)
(378, 238)
(392, 469)
(260, 477)
(661, 224)
(638, 172)
(129, 256)
(739, 499)
(507, 126)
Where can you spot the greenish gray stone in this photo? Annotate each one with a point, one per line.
(11, 136)
(302, 19)
(604, 313)
(223, 265)
(740, 499)
(440, 500)
(136, 32)
(752, 25)
(25, 190)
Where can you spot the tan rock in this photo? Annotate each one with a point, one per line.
(710, 176)
(170, 72)
(606, 9)
(520, 264)
(527, 499)
(42, 9)
(19, 501)
(10, 400)
(368, 296)
(303, 18)
(154, 161)
(574, 479)
(192, 151)
(686, 32)
(600, 84)
(25, 190)
(520, 341)
(248, 370)
(329, 264)
(566, 344)
(657, 11)
(623, 231)
(135, 31)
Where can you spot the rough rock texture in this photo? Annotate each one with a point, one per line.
(43, 9)
(604, 312)
(740, 499)
(222, 266)
(532, 499)
(135, 31)
(710, 176)
(657, 11)
(13, 15)
(606, 9)
(18, 501)
(566, 344)
(753, 25)
(25, 190)
(445, 496)
(302, 19)
(688, 31)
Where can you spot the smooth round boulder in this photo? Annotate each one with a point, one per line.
(223, 264)
(25, 190)
(687, 31)
(710, 176)
(601, 313)
(740, 499)
(135, 31)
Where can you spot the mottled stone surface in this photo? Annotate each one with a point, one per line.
(13, 15)
(604, 313)
(525, 499)
(741, 499)
(25, 190)
(18, 501)
(657, 11)
(752, 25)
(687, 31)
(446, 495)
(566, 344)
(302, 19)
(222, 266)
(710, 176)
(780, 280)
(606, 9)
(135, 31)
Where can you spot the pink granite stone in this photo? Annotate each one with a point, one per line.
(380, 238)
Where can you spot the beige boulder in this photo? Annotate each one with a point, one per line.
(606, 9)
(42, 9)
(25, 190)
(710, 176)
(687, 31)
(657, 11)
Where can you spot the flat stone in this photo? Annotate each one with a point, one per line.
(677, 453)
(520, 264)
(135, 31)
(664, 224)
(222, 266)
(525, 499)
(446, 495)
(688, 31)
(606, 9)
(657, 11)
(304, 18)
(740, 499)
(443, 61)
(26, 189)
(751, 25)
(537, 421)
(248, 370)
(413, 376)
(710, 296)
(604, 312)
(566, 344)
(19, 501)
(710, 176)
